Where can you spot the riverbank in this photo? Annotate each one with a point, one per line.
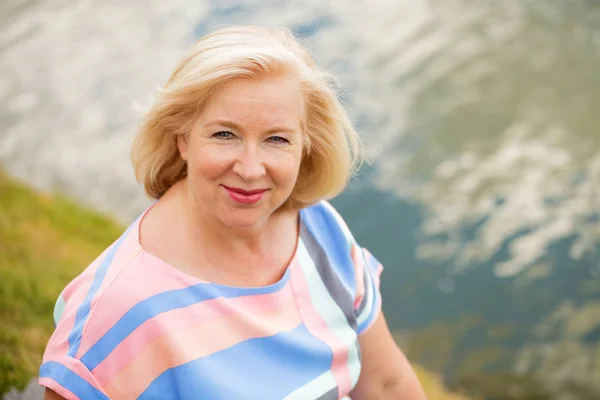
(45, 240)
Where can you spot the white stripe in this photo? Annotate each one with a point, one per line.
(329, 310)
(315, 388)
(354, 363)
(368, 295)
(353, 356)
(59, 308)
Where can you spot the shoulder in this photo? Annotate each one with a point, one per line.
(77, 304)
(329, 242)
(332, 247)
(81, 297)
(323, 220)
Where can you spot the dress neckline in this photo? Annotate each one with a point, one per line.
(194, 280)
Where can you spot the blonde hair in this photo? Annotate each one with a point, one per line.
(332, 147)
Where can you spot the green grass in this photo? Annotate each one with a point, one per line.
(45, 241)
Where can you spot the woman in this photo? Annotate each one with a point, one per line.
(241, 281)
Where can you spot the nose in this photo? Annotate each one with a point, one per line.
(249, 165)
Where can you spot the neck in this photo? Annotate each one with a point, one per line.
(226, 243)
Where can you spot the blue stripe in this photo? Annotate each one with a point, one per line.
(70, 380)
(84, 308)
(332, 281)
(163, 302)
(262, 369)
(372, 312)
(370, 269)
(325, 228)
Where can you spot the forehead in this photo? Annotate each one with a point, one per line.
(276, 99)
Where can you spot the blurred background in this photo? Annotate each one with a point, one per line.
(482, 200)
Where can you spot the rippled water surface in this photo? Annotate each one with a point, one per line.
(481, 119)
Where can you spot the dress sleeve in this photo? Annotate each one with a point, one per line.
(364, 271)
(367, 301)
(60, 371)
(68, 377)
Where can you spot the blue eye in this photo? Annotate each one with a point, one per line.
(224, 135)
(278, 139)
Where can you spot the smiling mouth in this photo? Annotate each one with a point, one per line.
(245, 196)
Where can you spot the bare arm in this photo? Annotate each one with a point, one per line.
(386, 373)
(51, 395)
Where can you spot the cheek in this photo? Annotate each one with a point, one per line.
(285, 171)
(208, 164)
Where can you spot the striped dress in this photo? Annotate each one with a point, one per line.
(133, 327)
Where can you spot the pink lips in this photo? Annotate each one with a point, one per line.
(245, 196)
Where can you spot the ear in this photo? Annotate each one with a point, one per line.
(182, 145)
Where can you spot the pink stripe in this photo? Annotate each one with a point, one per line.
(185, 345)
(316, 325)
(359, 270)
(73, 295)
(56, 387)
(377, 270)
(145, 277)
(126, 252)
(178, 319)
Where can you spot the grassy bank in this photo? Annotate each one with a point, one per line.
(44, 242)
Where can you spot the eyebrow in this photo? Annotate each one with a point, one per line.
(232, 125)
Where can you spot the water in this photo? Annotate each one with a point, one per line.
(483, 199)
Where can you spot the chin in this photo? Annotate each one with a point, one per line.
(243, 218)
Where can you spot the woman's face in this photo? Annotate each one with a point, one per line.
(245, 149)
